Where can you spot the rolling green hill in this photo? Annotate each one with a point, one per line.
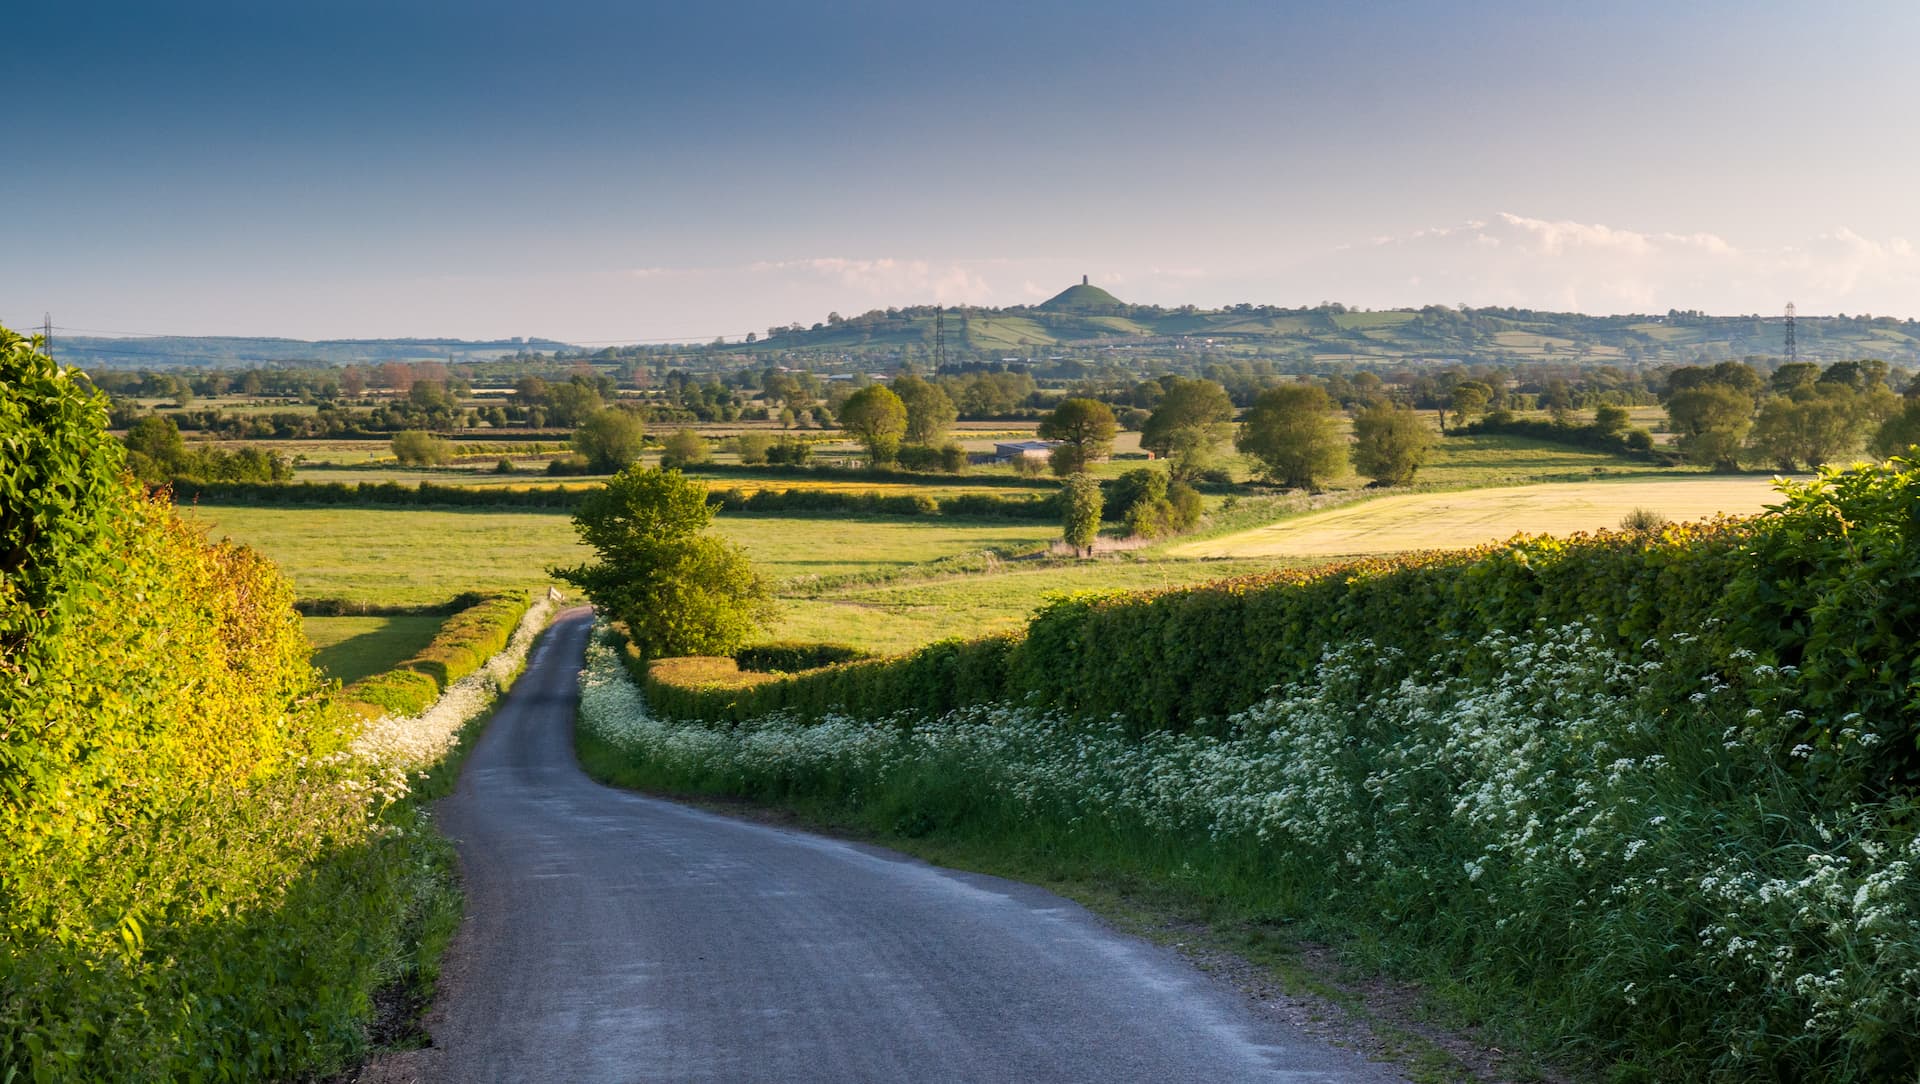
(1085, 318)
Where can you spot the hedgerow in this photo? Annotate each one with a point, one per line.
(1649, 795)
(200, 879)
(1180, 658)
(467, 640)
(1595, 850)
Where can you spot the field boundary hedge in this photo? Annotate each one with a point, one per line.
(564, 499)
(466, 640)
(1173, 659)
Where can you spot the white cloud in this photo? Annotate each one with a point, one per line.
(1513, 259)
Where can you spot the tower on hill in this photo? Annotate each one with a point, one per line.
(1085, 298)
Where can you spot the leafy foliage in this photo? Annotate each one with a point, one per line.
(678, 592)
(1390, 444)
(610, 439)
(1080, 503)
(1085, 429)
(415, 447)
(877, 418)
(196, 881)
(1292, 432)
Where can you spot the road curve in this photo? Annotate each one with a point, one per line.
(615, 937)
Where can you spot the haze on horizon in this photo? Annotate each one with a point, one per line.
(606, 172)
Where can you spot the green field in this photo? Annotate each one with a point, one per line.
(350, 648)
(864, 581)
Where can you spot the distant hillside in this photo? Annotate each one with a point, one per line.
(1085, 318)
(223, 352)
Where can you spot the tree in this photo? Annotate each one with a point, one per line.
(610, 439)
(1081, 503)
(155, 449)
(1085, 429)
(1390, 444)
(684, 449)
(1469, 401)
(1813, 426)
(1190, 420)
(753, 447)
(930, 411)
(677, 590)
(1792, 375)
(414, 447)
(1899, 433)
(1292, 432)
(1610, 419)
(572, 403)
(877, 418)
(1711, 421)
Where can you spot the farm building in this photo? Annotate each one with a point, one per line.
(1008, 451)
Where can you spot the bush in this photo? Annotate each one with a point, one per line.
(752, 447)
(414, 447)
(685, 448)
(792, 656)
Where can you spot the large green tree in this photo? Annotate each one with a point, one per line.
(1293, 433)
(1711, 423)
(1085, 429)
(930, 410)
(677, 590)
(1814, 425)
(1390, 444)
(877, 418)
(611, 439)
(1190, 420)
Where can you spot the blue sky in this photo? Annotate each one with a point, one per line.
(617, 172)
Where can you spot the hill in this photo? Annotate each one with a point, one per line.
(236, 352)
(1085, 318)
(1084, 298)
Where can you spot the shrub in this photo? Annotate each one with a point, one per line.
(792, 656)
(752, 447)
(1642, 519)
(414, 447)
(685, 448)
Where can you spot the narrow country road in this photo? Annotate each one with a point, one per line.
(615, 937)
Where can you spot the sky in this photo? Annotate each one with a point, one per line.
(622, 172)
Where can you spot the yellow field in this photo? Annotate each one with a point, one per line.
(1420, 521)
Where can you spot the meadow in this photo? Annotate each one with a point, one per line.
(351, 648)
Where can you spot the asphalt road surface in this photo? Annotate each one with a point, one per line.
(615, 937)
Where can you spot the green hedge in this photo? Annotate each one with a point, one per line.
(464, 643)
(556, 498)
(194, 883)
(793, 656)
(1171, 659)
(1828, 585)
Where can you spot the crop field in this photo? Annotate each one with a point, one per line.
(351, 648)
(1416, 521)
(891, 618)
(422, 557)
